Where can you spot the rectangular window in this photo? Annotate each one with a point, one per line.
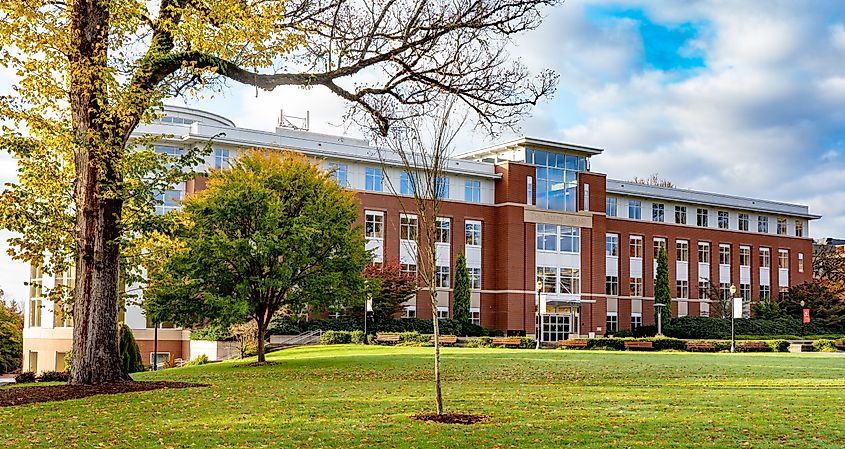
(474, 278)
(441, 280)
(765, 257)
(472, 191)
(406, 183)
(168, 200)
(442, 187)
(724, 254)
(701, 216)
(570, 239)
(783, 259)
(611, 246)
(529, 189)
(783, 292)
(682, 251)
(612, 322)
(659, 243)
(35, 308)
(442, 313)
(557, 179)
(724, 219)
(781, 226)
(635, 209)
(704, 289)
(657, 212)
(373, 225)
(636, 320)
(410, 268)
(610, 207)
(338, 173)
(408, 227)
(725, 293)
(680, 214)
(703, 252)
(800, 262)
(745, 256)
(682, 289)
(635, 244)
(570, 281)
(611, 285)
(799, 228)
(765, 292)
(442, 233)
(743, 222)
(475, 316)
(548, 277)
(762, 224)
(636, 287)
(473, 233)
(373, 179)
(745, 292)
(546, 237)
(410, 312)
(221, 159)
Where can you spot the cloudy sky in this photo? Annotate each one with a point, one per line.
(734, 97)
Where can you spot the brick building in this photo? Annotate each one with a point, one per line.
(522, 211)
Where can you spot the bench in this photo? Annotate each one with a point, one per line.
(840, 345)
(507, 341)
(700, 346)
(754, 346)
(574, 343)
(639, 345)
(387, 338)
(445, 339)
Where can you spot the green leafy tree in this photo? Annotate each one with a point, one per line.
(389, 287)
(11, 336)
(824, 298)
(272, 233)
(461, 294)
(130, 355)
(662, 292)
(89, 71)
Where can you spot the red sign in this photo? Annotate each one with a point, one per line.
(806, 315)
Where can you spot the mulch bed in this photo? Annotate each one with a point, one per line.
(19, 395)
(450, 418)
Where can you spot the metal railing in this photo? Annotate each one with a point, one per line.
(304, 338)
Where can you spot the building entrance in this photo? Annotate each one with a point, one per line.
(559, 326)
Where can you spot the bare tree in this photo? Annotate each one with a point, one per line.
(653, 180)
(828, 263)
(720, 301)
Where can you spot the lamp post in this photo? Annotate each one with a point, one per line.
(539, 313)
(802, 319)
(659, 306)
(733, 336)
(368, 307)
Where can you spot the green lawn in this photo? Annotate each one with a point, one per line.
(353, 396)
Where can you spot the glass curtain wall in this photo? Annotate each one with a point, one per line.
(557, 179)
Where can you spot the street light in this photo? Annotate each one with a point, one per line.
(539, 313)
(659, 306)
(733, 336)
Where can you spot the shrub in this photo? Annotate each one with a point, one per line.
(11, 344)
(130, 355)
(283, 325)
(357, 337)
(213, 332)
(201, 359)
(480, 342)
(667, 343)
(824, 346)
(616, 344)
(54, 376)
(778, 345)
(336, 338)
(693, 327)
(644, 331)
(26, 377)
(624, 333)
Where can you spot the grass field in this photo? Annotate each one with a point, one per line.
(353, 396)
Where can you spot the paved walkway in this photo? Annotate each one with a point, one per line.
(6, 379)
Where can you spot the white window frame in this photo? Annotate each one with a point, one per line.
(376, 220)
(472, 232)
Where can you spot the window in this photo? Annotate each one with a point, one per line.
(783, 293)
(762, 224)
(410, 312)
(657, 212)
(611, 285)
(168, 200)
(659, 243)
(570, 239)
(704, 289)
(725, 293)
(799, 228)
(472, 191)
(745, 256)
(548, 277)
(442, 187)
(408, 227)
(635, 244)
(570, 281)
(442, 232)
(745, 292)
(35, 306)
(373, 179)
(610, 207)
(546, 237)
(800, 262)
(765, 257)
(410, 268)
(765, 292)
(724, 254)
(33, 361)
(557, 179)
(636, 287)
(473, 233)
(682, 289)
(159, 358)
(441, 279)
(701, 217)
(442, 313)
(636, 320)
(680, 214)
(781, 226)
(529, 189)
(635, 209)
(611, 247)
(783, 259)
(743, 222)
(474, 278)
(373, 225)
(406, 183)
(221, 159)
(682, 251)
(612, 322)
(173, 152)
(475, 316)
(338, 173)
(703, 252)
(724, 220)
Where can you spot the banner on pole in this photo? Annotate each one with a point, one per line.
(369, 305)
(806, 316)
(737, 307)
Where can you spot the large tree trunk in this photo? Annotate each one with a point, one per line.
(262, 328)
(96, 357)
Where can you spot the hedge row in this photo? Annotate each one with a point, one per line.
(27, 377)
(695, 327)
(412, 339)
(290, 326)
(676, 344)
